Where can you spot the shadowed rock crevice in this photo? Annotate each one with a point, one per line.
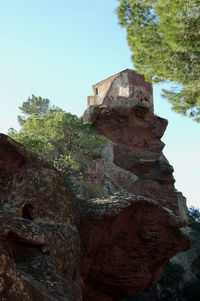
(27, 211)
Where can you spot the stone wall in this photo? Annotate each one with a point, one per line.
(127, 84)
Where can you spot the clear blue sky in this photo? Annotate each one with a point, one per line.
(58, 48)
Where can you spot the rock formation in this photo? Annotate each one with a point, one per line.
(132, 158)
(39, 238)
(116, 245)
(181, 278)
(126, 240)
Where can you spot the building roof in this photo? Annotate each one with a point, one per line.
(111, 77)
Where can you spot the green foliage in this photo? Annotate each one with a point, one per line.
(164, 37)
(194, 219)
(33, 105)
(57, 136)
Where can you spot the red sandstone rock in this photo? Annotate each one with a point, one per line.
(126, 238)
(39, 239)
(126, 250)
(135, 133)
(127, 242)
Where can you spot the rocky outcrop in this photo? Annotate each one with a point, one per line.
(126, 240)
(39, 237)
(181, 278)
(133, 161)
(132, 157)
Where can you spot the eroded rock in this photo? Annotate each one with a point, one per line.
(132, 155)
(39, 237)
(127, 242)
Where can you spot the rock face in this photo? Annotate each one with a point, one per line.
(132, 158)
(180, 280)
(113, 246)
(39, 238)
(132, 161)
(126, 240)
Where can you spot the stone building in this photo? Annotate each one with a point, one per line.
(127, 84)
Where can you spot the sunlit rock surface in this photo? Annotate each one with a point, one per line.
(132, 157)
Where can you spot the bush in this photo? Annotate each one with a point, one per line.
(59, 137)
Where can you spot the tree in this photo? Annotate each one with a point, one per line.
(33, 105)
(164, 37)
(57, 136)
(194, 220)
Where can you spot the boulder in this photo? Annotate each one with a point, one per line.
(39, 237)
(126, 243)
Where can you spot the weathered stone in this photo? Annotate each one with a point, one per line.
(39, 237)
(134, 162)
(127, 242)
(126, 238)
(132, 155)
(124, 85)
